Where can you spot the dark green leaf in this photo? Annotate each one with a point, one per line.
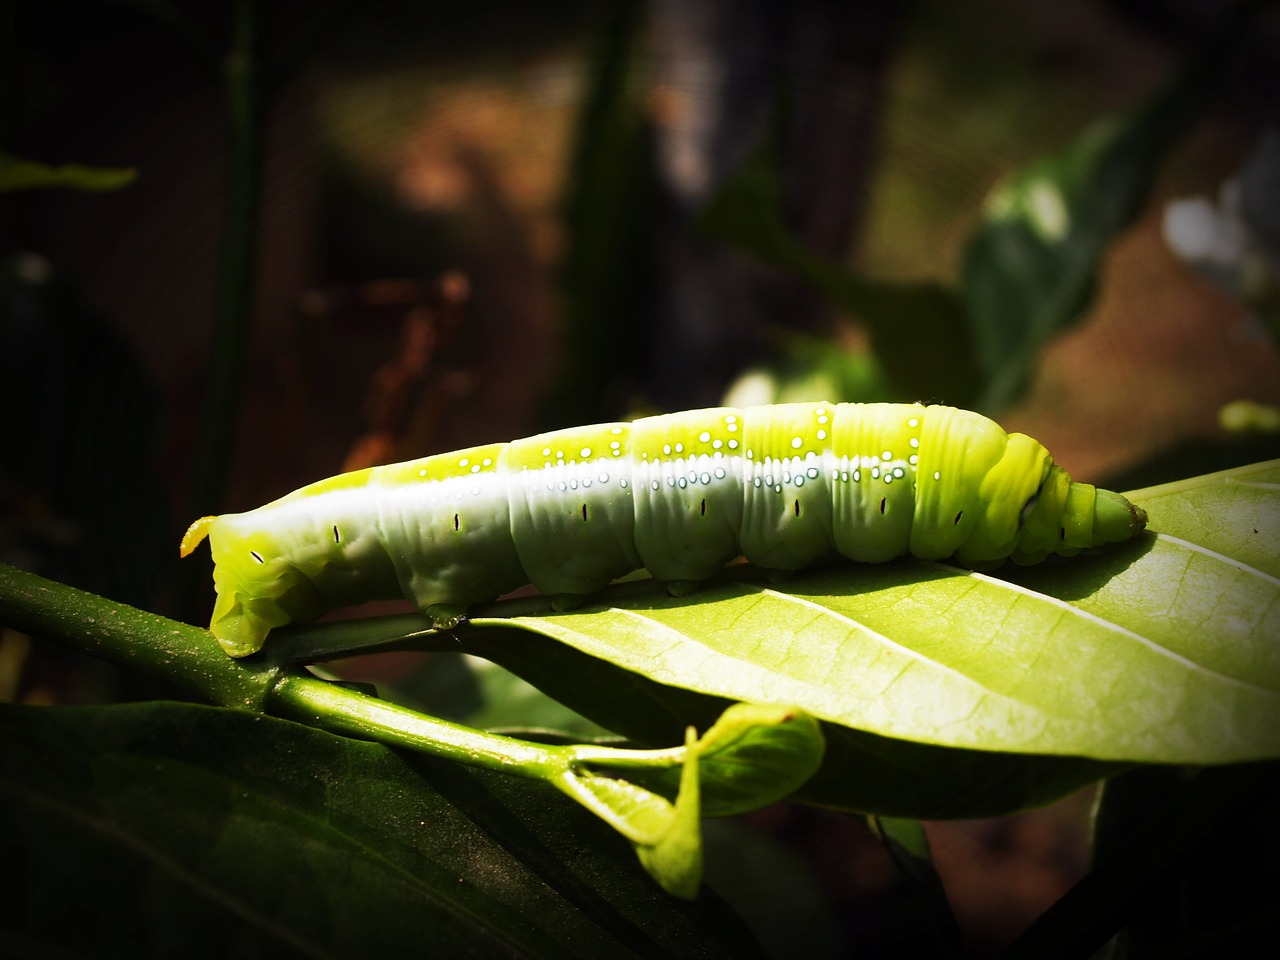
(908, 847)
(172, 830)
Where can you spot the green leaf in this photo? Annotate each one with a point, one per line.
(860, 771)
(674, 858)
(1157, 651)
(18, 174)
(167, 829)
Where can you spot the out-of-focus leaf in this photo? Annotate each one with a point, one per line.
(606, 212)
(18, 174)
(776, 889)
(908, 847)
(149, 821)
(809, 368)
(1030, 268)
(919, 332)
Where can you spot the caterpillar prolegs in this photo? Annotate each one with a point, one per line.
(680, 494)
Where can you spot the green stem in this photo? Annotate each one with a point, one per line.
(190, 657)
(333, 707)
(144, 642)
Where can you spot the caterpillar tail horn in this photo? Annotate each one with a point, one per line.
(194, 536)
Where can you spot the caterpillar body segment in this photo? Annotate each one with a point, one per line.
(681, 494)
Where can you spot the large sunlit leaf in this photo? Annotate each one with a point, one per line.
(1158, 651)
(166, 829)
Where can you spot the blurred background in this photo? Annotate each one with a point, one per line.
(244, 246)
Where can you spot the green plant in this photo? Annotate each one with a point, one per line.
(928, 679)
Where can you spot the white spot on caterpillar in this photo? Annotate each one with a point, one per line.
(887, 455)
(622, 482)
(666, 448)
(913, 422)
(813, 473)
(913, 459)
(604, 477)
(573, 484)
(705, 478)
(899, 472)
(875, 473)
(937, 475)
(733, 444)
(475, 468)
(656, 485)
(682, 482)
(705, 436)
(755, 481)
(888, 477)
(822, 434)
(586, 482)
(679, 448)
(914, 441)
(615, 444)
(488, 461)
(463, 462)
(857, 475)
(717, 444)
(799, 481)
(422, 472)
(546, 451)
(562, 486)
(796, 443)
(616, 430)
(719, 473)
(584, 452)
(475, 491)
(671, 481)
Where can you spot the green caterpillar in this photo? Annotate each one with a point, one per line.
(681, 495)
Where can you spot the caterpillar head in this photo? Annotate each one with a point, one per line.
(257, 589)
